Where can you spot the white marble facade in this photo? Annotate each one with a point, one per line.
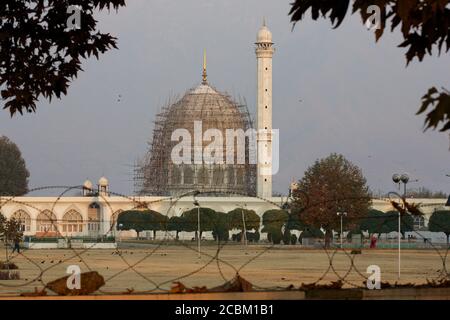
(95, 215)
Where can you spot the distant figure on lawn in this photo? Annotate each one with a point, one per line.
(16, 246)
(373, 242)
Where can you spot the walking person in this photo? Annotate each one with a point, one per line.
(16, 246)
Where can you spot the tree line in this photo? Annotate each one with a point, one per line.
(277, 223)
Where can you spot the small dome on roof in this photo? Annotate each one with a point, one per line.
(87, 184)
(103, 182)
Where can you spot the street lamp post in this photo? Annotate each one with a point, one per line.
(447, 204)
(198, 228)
(397, 178)
(341, 214)
(243, 223)
(120, 232)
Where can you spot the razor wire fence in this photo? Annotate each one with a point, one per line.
(171, 265)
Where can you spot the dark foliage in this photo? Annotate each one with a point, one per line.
(440, 109)
(440, 222)
(425, 27)
(13, 171)
(39, 55)
(336, 185)
(139, 221)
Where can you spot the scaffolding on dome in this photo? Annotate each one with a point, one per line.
(156, 174)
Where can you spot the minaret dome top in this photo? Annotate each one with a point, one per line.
(264, 34)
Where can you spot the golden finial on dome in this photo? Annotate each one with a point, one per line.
(205, 76)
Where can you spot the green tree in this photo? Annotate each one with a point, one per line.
(207, 220)
(334, 185)
(425, 25)
(175, 223)
(252, 220)
(139, 221)
(39, 54)
(155, 221)
(311, 232)
(10, 231)
(13, 171)
(374, 223)
(294, 222)
(378, 222)
(221, 227)
(274, 235)
(273, 221)
(391, 222)
(440, 222)
(2, 224)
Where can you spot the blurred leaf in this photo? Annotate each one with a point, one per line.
(440, 115)
(39, 56)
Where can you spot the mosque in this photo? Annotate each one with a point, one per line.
(223, 186)
(202, 110)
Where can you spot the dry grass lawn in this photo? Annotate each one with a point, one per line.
(154, 268)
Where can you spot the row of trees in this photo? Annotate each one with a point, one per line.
(278, 224)
(219, 223)
(424, 192)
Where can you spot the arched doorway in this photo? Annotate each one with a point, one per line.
(94, 218)
(46, 224)
(72, 223)
(24, 218)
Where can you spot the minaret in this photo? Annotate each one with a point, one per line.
(264, 53)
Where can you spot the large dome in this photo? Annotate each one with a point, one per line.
(204, 103)
(204, 106)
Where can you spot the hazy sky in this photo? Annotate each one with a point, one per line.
(357, 97)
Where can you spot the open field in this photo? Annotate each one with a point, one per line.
(154, 269)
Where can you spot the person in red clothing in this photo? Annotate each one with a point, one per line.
(373, 242)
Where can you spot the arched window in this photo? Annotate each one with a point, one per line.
(46, 222)
(72, 222)
(94, 217)
(176, 175)
(218, 176)
(188, 175)
(419, 222)
(231, 176)
(240, 177)
(203, 176)
(24, 219)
